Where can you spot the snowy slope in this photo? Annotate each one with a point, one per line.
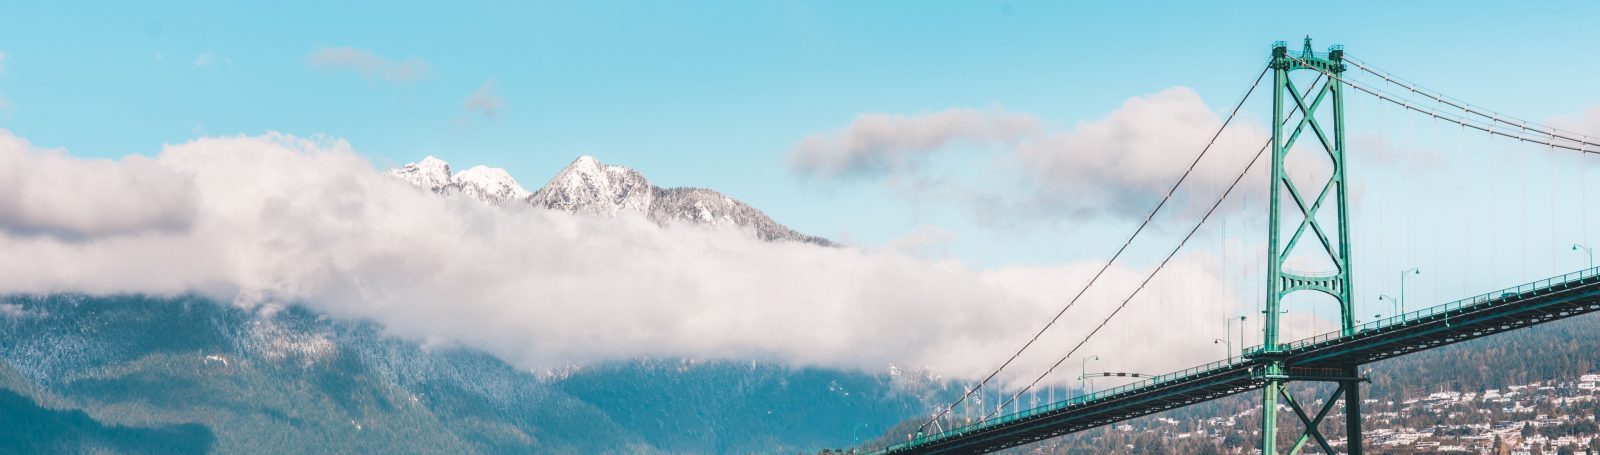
(492, 185)
(589, 187)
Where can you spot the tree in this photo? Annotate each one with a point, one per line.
(1527, 429)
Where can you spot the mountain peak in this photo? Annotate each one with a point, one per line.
(591, 187)
(585, 162)
(430, 161)
(490, 181)
(431, 173)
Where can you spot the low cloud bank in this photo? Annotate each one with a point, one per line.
(273, 220)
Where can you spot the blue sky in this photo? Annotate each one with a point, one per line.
(714, 94)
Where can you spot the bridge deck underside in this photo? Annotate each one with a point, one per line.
(1421, 330)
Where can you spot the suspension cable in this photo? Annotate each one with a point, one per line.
(1150, 276)
(1469, 108)
(1453, 118)
(1163, 264)
(1114, 257)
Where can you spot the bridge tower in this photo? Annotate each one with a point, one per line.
(1286, 198)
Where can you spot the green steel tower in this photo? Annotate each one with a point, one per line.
(1286, 196)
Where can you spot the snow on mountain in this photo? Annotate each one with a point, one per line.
(492, 185)
(431, 173)
(710, 208)
(590, 187)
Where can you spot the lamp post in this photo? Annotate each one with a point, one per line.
(1242, 335)
(1586, 250)
(1396, 303)
(1227, 337)
(1083, 371)
(1403, 274)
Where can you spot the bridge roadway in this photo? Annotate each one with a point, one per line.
(1320, 357)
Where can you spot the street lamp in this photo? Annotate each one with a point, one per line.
(1227, 339)
(1587, 250)
(1241, 335)
(1403, 274)
(1083, 371)
(1396, 303)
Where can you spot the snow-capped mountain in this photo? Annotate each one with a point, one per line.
(710, 208)
(431, 173)
(491, 185)
(590, 187)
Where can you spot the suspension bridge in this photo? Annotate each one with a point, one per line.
(1332, 358)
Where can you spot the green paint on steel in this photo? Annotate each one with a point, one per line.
(1331, 357)
(1284, 194)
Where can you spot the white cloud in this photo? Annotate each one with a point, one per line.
(1586, 123)
(205, 59)
(484, 101)
(46, 192)
(879, 143)
(1121, 162)
(276, 219)
(368, 64)
(1115, 165)
(2, 62)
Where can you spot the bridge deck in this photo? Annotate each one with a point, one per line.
(1507, 309)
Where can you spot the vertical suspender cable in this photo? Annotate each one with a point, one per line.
(1116, 255)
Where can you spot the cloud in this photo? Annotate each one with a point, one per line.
(484, 101)
(275, 220)
(1115, 165)
(879, 143)
(367, 64)
(45, 192)
(1120, 163)
(1586, 123)
(205, 59)
(2, 62)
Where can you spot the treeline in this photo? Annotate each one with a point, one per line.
(1559, 351)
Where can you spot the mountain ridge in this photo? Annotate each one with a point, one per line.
(587, 186)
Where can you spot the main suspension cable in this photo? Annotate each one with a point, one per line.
(1469, 108)
(1114, 257)
(1147, 278)
(1453, 118)
(1164, 261)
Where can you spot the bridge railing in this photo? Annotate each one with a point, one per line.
(1402, 319)
(1072, 402)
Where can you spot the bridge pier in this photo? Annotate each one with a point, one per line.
(1275, 392)
(1352, 412)
(1269, 416)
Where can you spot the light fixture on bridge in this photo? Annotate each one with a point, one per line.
(1586, 250)
(1403, 274)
